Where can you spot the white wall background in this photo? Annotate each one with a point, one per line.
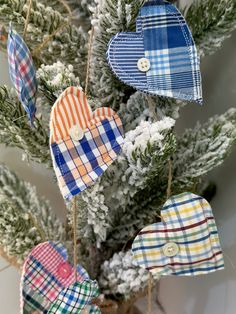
(211, 294)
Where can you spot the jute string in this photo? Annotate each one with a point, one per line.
(27, 19)
(149, 311)
(75, 200)
(168, 191)
(168, 194)
(38, 227)
(90, 47)
(35, 52)
(152, 109)
(48, 38)
(5, 268)
(75, 253)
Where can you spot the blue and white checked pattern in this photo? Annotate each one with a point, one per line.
(75, 177)
(163, 37)
(75, 298)
(22, 72)
(94, 309)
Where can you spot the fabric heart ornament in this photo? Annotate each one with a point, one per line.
(185, 243)
(22, 72)
(83, 143)
(160, 58)
(48, 283)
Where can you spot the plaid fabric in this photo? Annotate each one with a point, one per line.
(42, 282)
(94, 309)
(187, 221)
(75, 298)
(78, 164)
(163, 37)
(22, 72)
(33, 302)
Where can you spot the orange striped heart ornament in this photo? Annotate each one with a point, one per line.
(83, 143)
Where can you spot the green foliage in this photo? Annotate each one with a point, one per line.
(17, 232)
(140, 204)
(15, 130)
(131, 192)
(69, 44)
(141, 107)
(81, 10)
(211, 23)
(19, 200)
(130, 183)
(203, 148)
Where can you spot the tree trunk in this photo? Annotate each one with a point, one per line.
(112, 307)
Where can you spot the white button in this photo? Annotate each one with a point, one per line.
(144, 64)
(76, 133)
(170, 249)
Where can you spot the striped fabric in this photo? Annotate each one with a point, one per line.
(188, 222)
(22, 72)
(78, 164)
(42, 284)
(163, 37)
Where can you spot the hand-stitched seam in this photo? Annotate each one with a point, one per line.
(108, 118)
(113, 147)
(114, 54)
(181, 23)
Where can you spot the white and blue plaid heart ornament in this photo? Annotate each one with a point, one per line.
(160, 58)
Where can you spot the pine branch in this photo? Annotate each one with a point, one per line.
(198, 152)
(81, 9)
(18, 234)
(128, 185)
(53, 80)
(138, 109)
(211, 23)
(203, 148)
(68, 45)
(126, 281)
(15, 130)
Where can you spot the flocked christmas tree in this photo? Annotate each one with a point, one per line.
(131, 192)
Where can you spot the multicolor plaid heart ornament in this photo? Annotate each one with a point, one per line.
(83, 143)
(22, 72)
(48, 286)
(185, 243)
(160, 58)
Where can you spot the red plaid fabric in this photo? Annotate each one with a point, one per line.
(22, 72)
(46, 275)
